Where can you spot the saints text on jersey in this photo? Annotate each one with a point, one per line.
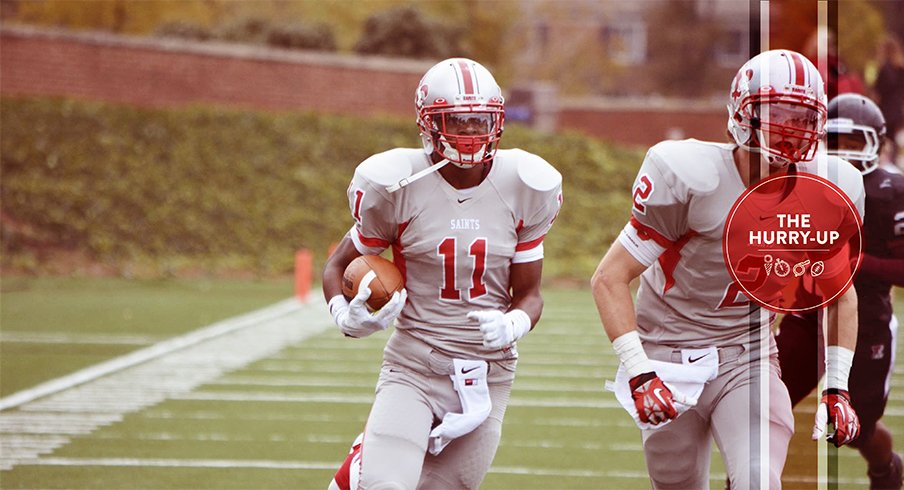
(464, 224)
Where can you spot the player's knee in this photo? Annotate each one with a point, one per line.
(670, 461)
(390, 463)
(467, 461)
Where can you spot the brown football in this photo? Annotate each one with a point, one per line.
(388, 280)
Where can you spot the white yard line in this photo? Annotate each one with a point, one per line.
(68, 338)
(331, 465)
(38, 420)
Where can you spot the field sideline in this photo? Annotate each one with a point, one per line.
(275, 401)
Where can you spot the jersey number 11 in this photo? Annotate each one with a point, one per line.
(478, 252)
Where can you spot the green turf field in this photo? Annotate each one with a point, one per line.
(52, 326)
(285, 419)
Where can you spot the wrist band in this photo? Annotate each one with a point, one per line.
(838, 366)
(630, 352)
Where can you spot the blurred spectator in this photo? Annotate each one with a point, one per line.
(838, 79)
(889, 89)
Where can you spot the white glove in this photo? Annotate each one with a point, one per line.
(353, 318)
(501, 329)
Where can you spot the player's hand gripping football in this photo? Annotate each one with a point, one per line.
(835, 408)
(501, 329)
(355, 321)
(653, 400)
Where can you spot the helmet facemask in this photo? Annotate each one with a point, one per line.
(466, 136)
(856, 143)
(783, 131)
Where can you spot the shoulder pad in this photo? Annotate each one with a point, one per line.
(535, 172)
(693, 163)
(391, 166)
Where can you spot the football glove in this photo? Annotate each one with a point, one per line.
(835, 408)
(501, 329)
(652, 398)
(355, 321)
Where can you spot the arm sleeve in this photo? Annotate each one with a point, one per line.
(890, 271)
(658, 211)
(532, 231)
(374, 213)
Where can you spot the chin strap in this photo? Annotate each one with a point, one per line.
(407, 180)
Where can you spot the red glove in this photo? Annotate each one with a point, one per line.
(835, 408)
(652, 398)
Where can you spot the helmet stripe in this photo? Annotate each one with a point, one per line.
(799, 71)
(466, 75)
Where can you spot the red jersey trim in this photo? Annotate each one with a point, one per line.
(372, 242)
(648, 233)
(529, 245)
(669, 259)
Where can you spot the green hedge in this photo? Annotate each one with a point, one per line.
(207, 188)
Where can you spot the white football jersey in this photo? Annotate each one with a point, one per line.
(681, 198)
(454, 247)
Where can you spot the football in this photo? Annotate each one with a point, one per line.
(387, 281)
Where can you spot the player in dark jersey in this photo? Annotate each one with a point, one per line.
(856, 130)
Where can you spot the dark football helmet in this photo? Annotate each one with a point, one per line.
(855, 130)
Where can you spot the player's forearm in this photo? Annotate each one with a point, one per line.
(614, 303)
(531, 304)
(332, 281)
(841, 340)
(889, 271)
(612, 291)
(616, 309)
(335, 267)
(524, 280)
(842, 321)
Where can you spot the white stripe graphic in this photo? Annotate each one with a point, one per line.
(77, 404)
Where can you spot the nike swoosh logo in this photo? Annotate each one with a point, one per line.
(657, 395)
(463, 200)
(692, 360)
(466, 371)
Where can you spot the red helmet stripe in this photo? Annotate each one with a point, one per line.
(799, 71)
(467, 77)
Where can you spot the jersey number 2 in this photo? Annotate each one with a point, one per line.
(478, 251)
(642, 191)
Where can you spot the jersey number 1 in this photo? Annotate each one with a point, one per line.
(478, 251)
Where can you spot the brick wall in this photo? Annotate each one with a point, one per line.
(159, 72)
(645, 122)
(154, 72)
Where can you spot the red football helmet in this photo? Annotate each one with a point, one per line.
(777, 107)
(460, 112)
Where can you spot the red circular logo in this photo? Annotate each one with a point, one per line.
(792, 243)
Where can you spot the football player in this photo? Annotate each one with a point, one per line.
(466, 223)
(856, 132)
(687, 312)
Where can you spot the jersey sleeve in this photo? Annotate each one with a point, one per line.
(533, 230)
(658, 211)
(374, 213)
